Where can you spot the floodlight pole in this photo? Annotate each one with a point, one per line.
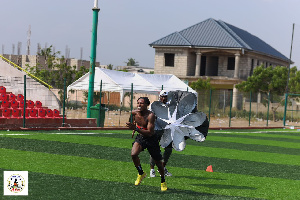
(288, 78)
(290, 60)
(93, 58)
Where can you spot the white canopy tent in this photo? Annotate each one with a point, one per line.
(118, 81)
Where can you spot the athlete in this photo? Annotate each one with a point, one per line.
(143, 123)
(163, 98)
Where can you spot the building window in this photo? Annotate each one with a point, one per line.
(169, 59)
(230, 63)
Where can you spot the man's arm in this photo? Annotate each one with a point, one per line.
(150, 126)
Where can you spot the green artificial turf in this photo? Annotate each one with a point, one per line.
(257, 164)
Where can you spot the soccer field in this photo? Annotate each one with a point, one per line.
(247, 164)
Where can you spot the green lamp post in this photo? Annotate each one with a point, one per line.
(93, 58)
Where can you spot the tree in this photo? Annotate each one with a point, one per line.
(110, 66)
(49, 56)
(57, 71)
(270, 80)
(132, 62)
(202, 85)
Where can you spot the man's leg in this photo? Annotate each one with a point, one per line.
(161, 170)
(160, 167)
(159, 133)
(152, 164)
(135, 151)
(166, 156)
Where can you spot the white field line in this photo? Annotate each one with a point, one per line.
(258, 132)
(61, 134)
(16, 134)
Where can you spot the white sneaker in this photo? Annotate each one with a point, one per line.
(152, 173)
(167, 173)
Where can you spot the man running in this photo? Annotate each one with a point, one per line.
(143, 123)
(163, 98)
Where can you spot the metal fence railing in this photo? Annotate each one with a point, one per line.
(224, 108)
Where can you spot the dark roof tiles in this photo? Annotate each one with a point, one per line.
(219, 34)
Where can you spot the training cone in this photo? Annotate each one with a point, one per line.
(209, 169)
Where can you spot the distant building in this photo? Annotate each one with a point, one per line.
(135, 69)
(33, 60)
(215, 49)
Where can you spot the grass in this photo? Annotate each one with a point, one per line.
(247, 164)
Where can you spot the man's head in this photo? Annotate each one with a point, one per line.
(163, 96)
(142, 103)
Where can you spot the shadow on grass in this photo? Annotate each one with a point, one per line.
(218, 186)
(50, 186)
(185, 194)
(199, 178)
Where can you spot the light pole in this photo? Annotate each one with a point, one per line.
(93, 58)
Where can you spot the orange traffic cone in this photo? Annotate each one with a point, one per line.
(209, 169)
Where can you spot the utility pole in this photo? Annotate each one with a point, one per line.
(93, 58)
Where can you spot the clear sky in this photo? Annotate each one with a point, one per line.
(127, 27)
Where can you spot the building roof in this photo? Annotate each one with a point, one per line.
(217, 34)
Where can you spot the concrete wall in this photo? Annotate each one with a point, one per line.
(180, 61)
(185, 62)
(13, 80)
(33, 60)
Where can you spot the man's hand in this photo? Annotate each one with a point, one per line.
(131, 126)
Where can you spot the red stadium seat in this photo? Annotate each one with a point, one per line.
(41, 113)
(30, 104)
(6, 113)
(3, 96)
(33, 113)
(20, 97)
(5, 104)
(14, 103)
(21, 104)
(2, 89)
(49, 113)
(15, 113)
(26, 112)
(12, 96)
(38, 104)
(56, 114)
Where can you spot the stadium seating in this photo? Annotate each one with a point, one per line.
(6, 113)
(14, 103)
(33, 113)
(41, 113)
(3, 96)
(2, 89)
(15, 113)
(56, 114)
(38, 104)
(12, 106)
(5, 104)
(21, 104)
(12, 96)
(20, 97)
(26, 113)
(30, 104)
(49, 113)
